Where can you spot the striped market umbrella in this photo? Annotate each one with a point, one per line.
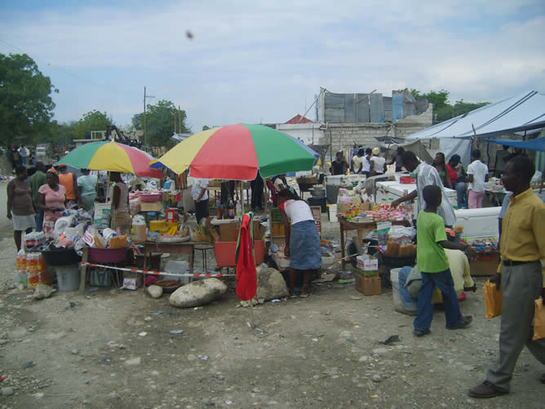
(238, 152)
(112, 157)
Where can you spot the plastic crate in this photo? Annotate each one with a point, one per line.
(225, 253)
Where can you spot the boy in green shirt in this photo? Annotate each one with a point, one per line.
(432, 261)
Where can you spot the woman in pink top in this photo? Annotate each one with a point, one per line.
(52, 198)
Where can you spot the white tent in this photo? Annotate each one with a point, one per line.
(520, 113)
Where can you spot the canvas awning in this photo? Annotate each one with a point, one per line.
(537, 144)
(520, 113)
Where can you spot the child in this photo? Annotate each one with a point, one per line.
(433, 263)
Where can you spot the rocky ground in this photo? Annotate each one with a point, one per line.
(120, 349)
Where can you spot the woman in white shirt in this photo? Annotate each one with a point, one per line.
(302, 240)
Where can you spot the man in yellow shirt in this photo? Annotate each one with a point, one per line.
(522, 246)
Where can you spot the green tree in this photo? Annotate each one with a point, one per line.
(442, 108)
(91, 121)
(159, 122)
(26, 106)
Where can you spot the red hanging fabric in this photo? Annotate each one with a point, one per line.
(245, 269)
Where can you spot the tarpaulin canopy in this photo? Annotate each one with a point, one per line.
(520, 113)
(537, 144)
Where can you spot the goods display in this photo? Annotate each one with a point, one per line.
(351, 206)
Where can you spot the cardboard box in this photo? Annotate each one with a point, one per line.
(485, 264)
(229, 231)
(368, 285)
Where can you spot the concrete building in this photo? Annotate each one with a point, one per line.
(348, 119)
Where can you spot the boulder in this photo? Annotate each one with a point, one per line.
(270, 284)
(42, 291)
(198, 293)
(154, 291)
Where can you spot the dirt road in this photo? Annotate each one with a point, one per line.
(116, 349)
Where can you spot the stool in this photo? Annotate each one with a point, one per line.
(203, 248)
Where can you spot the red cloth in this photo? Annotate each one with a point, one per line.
(452, 174)
(245, 269)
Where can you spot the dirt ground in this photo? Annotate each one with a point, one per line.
(115, 349)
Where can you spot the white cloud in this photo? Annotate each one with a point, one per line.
(260, 60)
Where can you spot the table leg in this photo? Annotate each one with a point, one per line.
(343, 261)
(83, 271)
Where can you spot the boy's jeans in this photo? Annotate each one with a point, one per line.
(443, 281)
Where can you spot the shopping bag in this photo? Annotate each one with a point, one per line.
(492, 300)
(539, 320)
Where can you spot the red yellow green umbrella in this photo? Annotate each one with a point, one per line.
(238, 152)
(111, 156)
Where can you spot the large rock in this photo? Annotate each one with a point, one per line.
(270, 284)
(198, 293)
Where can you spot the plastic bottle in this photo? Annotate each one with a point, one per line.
(20, 261)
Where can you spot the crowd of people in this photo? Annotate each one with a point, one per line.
(36, 201)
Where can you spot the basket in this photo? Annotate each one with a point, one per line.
(100, 256)
(61, 257)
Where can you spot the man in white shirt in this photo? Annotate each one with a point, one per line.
(478, 175)
(377, 162)
(425, 175)
(357, 161)
(199, 193)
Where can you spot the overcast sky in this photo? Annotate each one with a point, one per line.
(264, 61)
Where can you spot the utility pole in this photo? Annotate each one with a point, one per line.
(145, 122)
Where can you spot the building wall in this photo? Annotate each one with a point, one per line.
(342, 136)
(309, 133)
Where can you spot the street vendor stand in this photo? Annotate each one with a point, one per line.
(361, 228)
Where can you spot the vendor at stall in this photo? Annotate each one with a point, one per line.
(339, 166)
(199, 193)
(425, 175)
(121, 219)
(20, 208)
(52, 199)
(302, 240)
(87, 186)
(69, 181)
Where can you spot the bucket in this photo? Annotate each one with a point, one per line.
(100, 278)
(68, 277)
(400, 305)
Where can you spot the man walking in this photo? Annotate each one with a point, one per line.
(426, 175)
(522, 246)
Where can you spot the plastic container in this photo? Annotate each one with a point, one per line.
(101, 256)
(150, 197)
(68, 277)
(176, 267)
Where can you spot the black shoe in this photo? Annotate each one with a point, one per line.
(421, 332)
(485, 390)
(472, 289)
(463, 324)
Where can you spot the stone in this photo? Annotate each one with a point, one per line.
(270, 284)
(133, 361)
(198, 293)
(376, 378)
(42, 291)
(154, 291)
(7, 391)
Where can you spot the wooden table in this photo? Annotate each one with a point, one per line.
(360, 227)
(185, 248)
